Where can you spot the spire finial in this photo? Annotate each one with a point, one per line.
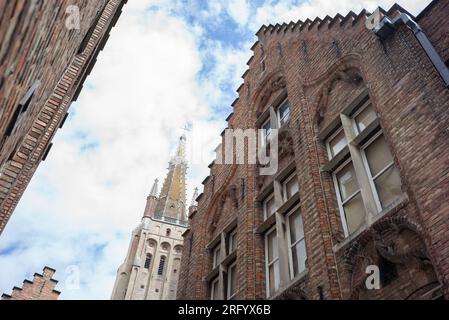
(180, 157)
(154, 189)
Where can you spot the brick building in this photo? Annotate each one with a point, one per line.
(41, 288)
(359, 108)
(46, 52)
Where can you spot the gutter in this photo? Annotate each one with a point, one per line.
(387, 26)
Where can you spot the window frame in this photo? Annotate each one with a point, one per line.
(213, 283)
(340, 201)
(338, 130)
(278, 113)
(161, 267)
(216, 260)
(266, 137)
(358, 111)
(269, 264)
(268, 198)
(229, 280)
(149, 257)
(232, 239)
(368, 169)
(296, 209)
(284, 183)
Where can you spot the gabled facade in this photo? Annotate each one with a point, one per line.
(43, 287)
(361, 116)
(152, 265)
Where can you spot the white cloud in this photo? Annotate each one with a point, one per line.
(239, 10)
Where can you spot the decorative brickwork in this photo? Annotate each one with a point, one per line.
(41, 288)
(327, 69)
(43, 65)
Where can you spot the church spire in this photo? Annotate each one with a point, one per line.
(172, 200)
(195, 196)
(152, 201)
(155, 188)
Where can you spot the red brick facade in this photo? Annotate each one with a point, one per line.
(41, 288)
(324, 68)
(43, 65)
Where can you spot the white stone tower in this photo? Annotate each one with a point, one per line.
(151, 268)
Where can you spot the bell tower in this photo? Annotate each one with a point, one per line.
(151, 267)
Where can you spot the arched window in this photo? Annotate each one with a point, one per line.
(148, 261)
(168, 232)
(160, 271)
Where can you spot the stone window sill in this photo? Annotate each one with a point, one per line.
(290, 284)
(400, 203)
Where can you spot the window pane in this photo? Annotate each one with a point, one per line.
(232, 241)
(355, 213)
(365, 118)
(284, 113)
(216, 256)
(291, 187)
(270, 207)
(274, 277)
(267, 130)
(272, 246)
(214, 290)
(299, 257)
(296, 227)
(347, 182)
(388, 186)
(148, 261)
(338, 143)
(378, 155)
(232, 280)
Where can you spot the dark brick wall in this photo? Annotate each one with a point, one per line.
(37, 46)
(322, 66)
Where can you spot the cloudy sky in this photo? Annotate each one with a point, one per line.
(168, 63)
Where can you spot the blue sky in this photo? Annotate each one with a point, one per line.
(167, 63)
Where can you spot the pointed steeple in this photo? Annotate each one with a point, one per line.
(155, 188)
(194, 205)
(195, 196)
(172, 200)
(152, 201)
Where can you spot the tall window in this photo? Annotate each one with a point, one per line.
(272, 261)
(278, 116)
(296, 242)
(290, 187)
(216, 256)
(215, 289)
(160, 270)
(289, 246)
(232, 281)
(366, 163)
(350, 197)
(383, 175)
(283, 113)
(232, 241)
(269, 206)
(224, 285)
(266, 127)
(148, 261)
